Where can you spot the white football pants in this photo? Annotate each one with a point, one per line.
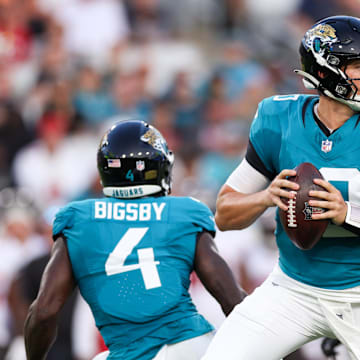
(191, 349)
(283, 314)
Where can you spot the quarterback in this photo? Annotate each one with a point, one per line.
(131, 254)
(313, 293)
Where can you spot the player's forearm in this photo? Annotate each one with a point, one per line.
(235, 211)
(215, 274)
(228, 294)
(40, 333)
(219, 281)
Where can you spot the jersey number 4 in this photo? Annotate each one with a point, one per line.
(147, 264)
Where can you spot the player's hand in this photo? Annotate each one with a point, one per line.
(280, 187)
(331, 200)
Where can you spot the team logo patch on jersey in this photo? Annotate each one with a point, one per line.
(140, 165)
(114, 163)
(309, 210)
(326, 146)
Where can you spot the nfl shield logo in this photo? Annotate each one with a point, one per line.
(326, 146)
(140, 165)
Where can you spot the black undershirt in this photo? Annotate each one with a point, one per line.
(322, 127)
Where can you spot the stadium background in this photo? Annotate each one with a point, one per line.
(194, 69)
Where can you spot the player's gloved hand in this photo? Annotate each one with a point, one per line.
(328, 346)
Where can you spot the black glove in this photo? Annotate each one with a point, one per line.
(328, 346)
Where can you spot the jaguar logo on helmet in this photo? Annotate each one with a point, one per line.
(324, 30)
(104, 140)
(320, 35)
(153, 138)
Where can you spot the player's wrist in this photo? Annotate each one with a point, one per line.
(265, 198)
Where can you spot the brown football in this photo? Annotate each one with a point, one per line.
(296, 221)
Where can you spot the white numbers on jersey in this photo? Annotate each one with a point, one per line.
(349, 175)
(128, 211)
(147, 264)
(286, 97)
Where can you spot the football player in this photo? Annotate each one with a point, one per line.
(131, 254)
(314, 293)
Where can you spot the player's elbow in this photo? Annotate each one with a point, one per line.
(226, 213)
(221, 222)
(224, 216)
(224, 220)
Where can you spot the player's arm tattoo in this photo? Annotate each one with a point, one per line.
(56, 286)
(216, 275)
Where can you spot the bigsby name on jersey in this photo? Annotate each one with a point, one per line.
(128, 211)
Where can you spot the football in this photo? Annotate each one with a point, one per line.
(296, 221)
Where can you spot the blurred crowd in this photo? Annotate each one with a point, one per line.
(70, 68)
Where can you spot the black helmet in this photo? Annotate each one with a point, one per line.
(328, 46)
(134, 160)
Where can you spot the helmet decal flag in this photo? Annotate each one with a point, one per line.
(114, 163)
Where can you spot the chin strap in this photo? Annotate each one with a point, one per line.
(310, 82)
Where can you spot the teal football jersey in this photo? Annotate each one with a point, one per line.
(132, 260)
(284, 134)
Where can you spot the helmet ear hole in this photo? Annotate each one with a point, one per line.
(321, 74)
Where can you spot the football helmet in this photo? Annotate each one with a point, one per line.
(133, 160)
(325, 51)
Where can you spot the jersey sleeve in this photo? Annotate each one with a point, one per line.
(246, 179)
(264, 139)
(202, 217)
(63, 220)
